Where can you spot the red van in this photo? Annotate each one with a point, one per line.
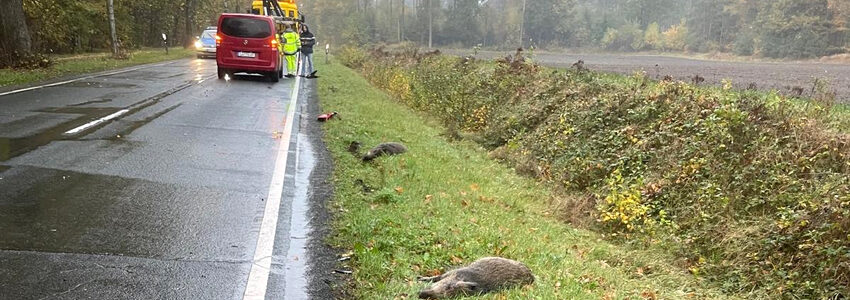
(248, 43)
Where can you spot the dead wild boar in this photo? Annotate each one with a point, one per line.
(482, 276)
(384, 149)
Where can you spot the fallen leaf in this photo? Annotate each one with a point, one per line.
(456, 260)
(464, 203)
(649, 295)
(428, 199)
(473, 220)
(473, 187)
(401, 296)
(399, 190)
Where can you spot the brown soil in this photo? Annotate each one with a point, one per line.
(785, 77)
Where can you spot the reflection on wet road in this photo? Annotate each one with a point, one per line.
(146, 184)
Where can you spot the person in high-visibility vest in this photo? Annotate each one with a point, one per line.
(291, 46)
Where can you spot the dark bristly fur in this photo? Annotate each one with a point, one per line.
(354, 148)
(482, 276)
(384, 149)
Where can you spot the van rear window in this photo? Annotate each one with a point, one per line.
(246, 27)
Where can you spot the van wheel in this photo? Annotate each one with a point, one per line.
(273, 76)
(225, 72)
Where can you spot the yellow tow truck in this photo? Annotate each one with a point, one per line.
(289, 13)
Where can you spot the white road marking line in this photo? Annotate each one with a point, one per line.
(95, 122)
(258, 279)
(78, 79)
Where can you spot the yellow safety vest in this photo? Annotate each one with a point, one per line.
(292, 42)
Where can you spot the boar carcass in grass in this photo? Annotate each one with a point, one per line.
(384, 149)
(485, 275)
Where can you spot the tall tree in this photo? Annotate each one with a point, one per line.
(549, 22)
(462, 25)
(795, 28)
(112, 33)
(14, 33)
(189, 34)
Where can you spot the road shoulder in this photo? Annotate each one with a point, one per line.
(322, 282)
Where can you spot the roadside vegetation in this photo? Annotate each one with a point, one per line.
(446, 203)
(747, 190)
(74, 65)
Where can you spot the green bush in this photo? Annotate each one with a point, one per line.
(752, 190)
(353, 56)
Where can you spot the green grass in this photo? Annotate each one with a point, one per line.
(444, 204)
(89, 63)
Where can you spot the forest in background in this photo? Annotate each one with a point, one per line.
(69, 26)
(767, 28)
(31, 29)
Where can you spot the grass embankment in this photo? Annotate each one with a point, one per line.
(446, 203)
(74, 65)
(749, 190)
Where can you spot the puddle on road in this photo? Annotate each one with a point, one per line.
(100, 84)
(12, 147)
(138, 124)
(297, 258)
(52, 209)
(88, 111)
(92, 102)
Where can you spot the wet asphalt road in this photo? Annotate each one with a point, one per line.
(163, 202)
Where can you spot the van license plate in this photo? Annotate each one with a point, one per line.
(246, 54)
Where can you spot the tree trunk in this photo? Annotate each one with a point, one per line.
(14, 33)
(111, 10)
(430, 26)
(522, 26)
(188, 38)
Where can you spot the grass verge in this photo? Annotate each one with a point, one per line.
(88, 64)
(446, 203)
(749, 189)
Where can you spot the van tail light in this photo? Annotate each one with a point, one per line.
(217, 40)
(274, 42)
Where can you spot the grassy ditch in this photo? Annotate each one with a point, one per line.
(749, 190)
(70, 65)
(447, 203)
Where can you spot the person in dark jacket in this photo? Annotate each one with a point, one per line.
(308, 40)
